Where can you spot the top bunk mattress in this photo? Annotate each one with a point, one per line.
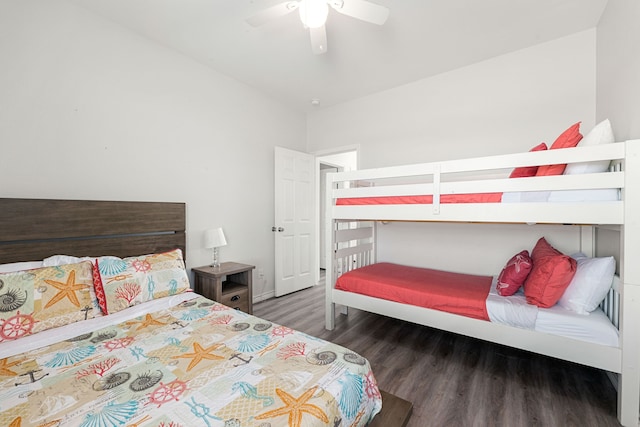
(593, 195)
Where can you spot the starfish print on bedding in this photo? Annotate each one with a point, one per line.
(4, 368)
(295, 408)
(148, 321)
(199, 354)
(67, 289)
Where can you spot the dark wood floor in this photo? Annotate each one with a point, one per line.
(454, 380)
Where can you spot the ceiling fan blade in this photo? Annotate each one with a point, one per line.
(361, 9)
(318, 40)
(272, 13)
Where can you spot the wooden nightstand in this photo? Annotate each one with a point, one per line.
(230, 284)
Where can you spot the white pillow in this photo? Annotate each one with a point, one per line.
(600, 134)
(19, 266)
(56, 260)
(590, 284)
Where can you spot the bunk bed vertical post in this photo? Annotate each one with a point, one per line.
(587, 240)
(373, 255)
(629, 387)
(330, 248)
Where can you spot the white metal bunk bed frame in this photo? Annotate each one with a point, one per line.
(351, 244)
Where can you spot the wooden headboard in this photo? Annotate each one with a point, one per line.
(33, 229)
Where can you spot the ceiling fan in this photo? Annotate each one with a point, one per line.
(313, 14)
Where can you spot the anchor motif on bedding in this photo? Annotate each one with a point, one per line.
(32, 377)
(237, 356)
(179, 324)
(86, 310)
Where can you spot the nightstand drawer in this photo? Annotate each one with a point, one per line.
(235, 296)
(230, 284)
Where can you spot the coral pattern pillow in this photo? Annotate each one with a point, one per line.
(527, 171)
(600, 134)
(590, 284)
(514, 274)
(551, 274)
(569, 138)
(44, 298)
(125, 282)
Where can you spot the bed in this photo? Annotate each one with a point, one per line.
(602, 206)
(163, 355)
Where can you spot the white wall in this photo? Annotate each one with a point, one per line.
(89, 110)
(503, 105)
(618, 65)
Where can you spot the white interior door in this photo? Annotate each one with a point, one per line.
(294, 228)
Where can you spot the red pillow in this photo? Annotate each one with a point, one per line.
(551, 274)
(569, 138)
(527, 171)
(514, 274)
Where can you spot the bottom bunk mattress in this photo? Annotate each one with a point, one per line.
(474, 296)
(463, 294)
(186, 362)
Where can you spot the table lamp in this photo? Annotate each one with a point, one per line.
(213, 239)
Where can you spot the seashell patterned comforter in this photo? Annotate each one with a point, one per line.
(199, 363)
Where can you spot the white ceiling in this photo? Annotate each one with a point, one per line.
(420, 39)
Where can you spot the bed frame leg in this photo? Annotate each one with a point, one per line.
(330, 316)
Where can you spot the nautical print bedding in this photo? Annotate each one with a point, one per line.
(199, 363)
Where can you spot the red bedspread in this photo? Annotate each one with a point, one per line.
(427, 200)
(457, 293)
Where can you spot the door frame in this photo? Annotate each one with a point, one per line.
(319, 155)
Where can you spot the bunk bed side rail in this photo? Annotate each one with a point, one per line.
(614, 151)
(469, 176)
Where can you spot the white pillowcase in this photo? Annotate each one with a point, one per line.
(600, 134)
(590, 284)
(56, 260)
(20, 266)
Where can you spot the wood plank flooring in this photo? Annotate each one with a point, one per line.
(454, 380)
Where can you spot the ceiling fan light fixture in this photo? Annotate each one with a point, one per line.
(313, 13)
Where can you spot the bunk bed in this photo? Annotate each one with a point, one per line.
(357, 202)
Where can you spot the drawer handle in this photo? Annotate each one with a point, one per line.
(235, 298)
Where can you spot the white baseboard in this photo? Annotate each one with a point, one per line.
(263, 297)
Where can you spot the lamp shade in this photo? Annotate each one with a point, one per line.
(214, 238)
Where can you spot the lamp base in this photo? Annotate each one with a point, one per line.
(216, 259)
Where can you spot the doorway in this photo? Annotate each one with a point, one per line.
(345, 159)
